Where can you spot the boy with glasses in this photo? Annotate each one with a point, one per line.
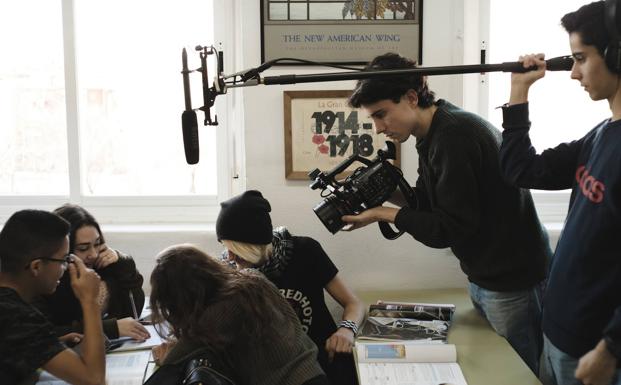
(33, 257)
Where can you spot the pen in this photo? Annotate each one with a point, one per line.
(131, 300)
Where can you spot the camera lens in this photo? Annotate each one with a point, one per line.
(330, 211)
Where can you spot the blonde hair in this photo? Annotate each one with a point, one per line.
(249, 252)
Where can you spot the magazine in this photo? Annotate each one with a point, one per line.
(407, 363)
(416, 322)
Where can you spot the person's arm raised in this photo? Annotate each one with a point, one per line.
(90, 367)
(521, 82)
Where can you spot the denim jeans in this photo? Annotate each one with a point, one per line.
(516, 316)
(558, 368)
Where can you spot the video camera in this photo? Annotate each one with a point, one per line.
(368, 186)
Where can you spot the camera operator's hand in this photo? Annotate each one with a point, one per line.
(376, 214)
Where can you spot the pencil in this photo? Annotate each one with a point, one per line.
(131, 300)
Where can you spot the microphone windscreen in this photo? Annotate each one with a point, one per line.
(189, 124)
(561, 63)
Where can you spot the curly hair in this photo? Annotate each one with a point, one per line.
(205, 300)
(372, 90)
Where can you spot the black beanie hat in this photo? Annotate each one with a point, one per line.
(245, 218)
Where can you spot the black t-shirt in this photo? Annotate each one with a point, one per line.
(302, 284)
(27, 339)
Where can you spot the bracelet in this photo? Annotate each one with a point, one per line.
(351, 325)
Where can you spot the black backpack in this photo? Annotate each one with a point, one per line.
(200, 368)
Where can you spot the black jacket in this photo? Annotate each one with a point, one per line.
(465, 204)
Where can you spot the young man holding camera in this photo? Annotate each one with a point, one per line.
(463, 202)
(582, 317)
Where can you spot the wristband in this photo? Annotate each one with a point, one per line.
(351, 325)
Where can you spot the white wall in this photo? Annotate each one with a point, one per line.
(366, 260)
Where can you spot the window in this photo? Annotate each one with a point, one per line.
(560, 109)
(33, 144)
(91, 101)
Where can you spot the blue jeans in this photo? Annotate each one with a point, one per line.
(516, 316)
(558, 368)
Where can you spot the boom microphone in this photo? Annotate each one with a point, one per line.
(562, 63)
(189, 123)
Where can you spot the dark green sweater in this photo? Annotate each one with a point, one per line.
(465, 204)
(288, 357)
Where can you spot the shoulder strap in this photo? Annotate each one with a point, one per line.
(166, 375)
(201, 371)
(408, 194)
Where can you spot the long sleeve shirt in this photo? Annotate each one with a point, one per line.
(582, 303)
(464, 204)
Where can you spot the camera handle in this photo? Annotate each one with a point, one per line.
(410, 198)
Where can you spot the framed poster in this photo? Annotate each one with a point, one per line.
(321, 131)
(340, 31)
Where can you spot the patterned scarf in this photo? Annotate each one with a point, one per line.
(282, 244)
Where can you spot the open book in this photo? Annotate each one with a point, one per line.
(407, 363)
(127, 368)
(400, 321)
(152, 341)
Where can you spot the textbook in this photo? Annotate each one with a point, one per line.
(127, 368)
(407, 363)
(402, 321)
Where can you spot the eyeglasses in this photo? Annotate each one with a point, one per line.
(65, 261)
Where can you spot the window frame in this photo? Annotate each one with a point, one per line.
(552, 206)
(138, 209)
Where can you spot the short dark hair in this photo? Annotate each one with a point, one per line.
(30, 234)
(589, 22)
(78, 217)
(372, 90)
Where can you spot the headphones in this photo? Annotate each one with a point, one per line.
(612, 53)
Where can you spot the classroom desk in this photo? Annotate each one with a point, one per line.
(485, 357)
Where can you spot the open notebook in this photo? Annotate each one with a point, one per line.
(125, 368)
(407, 363)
